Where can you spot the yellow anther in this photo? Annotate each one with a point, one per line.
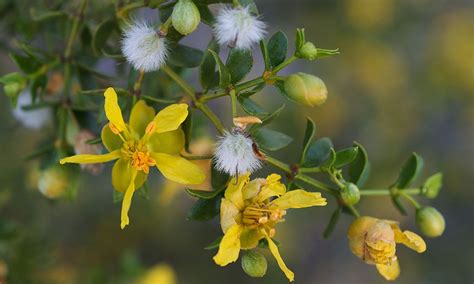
(272, 232)
(263, 220)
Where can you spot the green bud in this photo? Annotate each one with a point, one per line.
(13, 84)
(53, 181)
(306, 89)
(185, 17)
(430, 222)
(432, 185)
(254, 264)
(350, 194)
(308, 51)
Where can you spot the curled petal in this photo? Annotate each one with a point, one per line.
(389, 271)
(171, 117)
(91, 159)
(127, 201)
(410, 239)
(229, 247)
(112, 110)
(274, 249)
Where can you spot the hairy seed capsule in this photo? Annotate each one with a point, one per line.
(308, 51)
(306, 89)
(254, 264)
(430, 222)
(185, 17)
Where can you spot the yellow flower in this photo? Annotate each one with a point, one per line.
(374, 241)
(159, 274)
(147, 140)
(251, 209)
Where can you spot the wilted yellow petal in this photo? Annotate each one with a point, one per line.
(229, 248)
(357, 232)
(127, 201)
(112, 109)
(234, 193)
(122, 173)
(274, 249)
(110, 140)
(171, 117)
(171, 142)
(178, 169)
(91, 159)
(229, 214)
(410, 239)
(140, 116)
(389, 271)
(299, 199)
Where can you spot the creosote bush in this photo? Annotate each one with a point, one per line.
(144, 128)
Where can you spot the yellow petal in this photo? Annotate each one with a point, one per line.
(91, 159)
(410, 239)
(274, 249)
(112, 109)
(140, 116)
(389, 271)
(110, 140)
(159, 274)
(178, 169)
(171, 142)
(234, 190)
(229, 214)
(171, 117)
(357, 232)
(127, 201)
(229, 247)
(122, 173)
(299, 199)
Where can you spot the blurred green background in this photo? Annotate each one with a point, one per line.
(404, 82)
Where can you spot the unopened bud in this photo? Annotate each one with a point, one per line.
(306, 89)
(350, 194)
(53, 181)
(13, 84)
(430, 222)
(254, 264)
(185, 17)
(308, 51)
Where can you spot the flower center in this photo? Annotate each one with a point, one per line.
(138, 155)
(257, 215)
(379, 252)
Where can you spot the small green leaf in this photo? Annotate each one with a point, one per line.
(27, 64)
(271, 140)
(102, 34)
(251, 107)
(47, 15)
(410, 171)
(345, 157)
(398, 204)
(206, 15)
(332, 222)
(239, 63)
(224, 76)
(318, 152)
(330, 161)
(205, 209)
(185, 56)
(359, 170)
(207, 72)
(215, 244)
(266, 57)
(277, 48)
(94, 141)
(309, 134)
(432, 185)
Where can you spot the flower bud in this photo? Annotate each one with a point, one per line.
(306, 89)
(185, 17)
(13, 84)
(308, 51)
(53, 181)
(430, 221)
(350, 194)
(254, 264)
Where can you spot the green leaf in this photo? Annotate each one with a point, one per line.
(251, 107)
(318, 152)
(205, 209)
(206, 15)
(332, 222)
(309, 134)
(277, 48)
(102, 34)
(215, 244)
(398, 204)
(266, 57)
(47, 15)
(271, 140)
(224, 76)
(218, 178)
(27, 64)
(263, 243)
(185, 56)
(207, 72)
(266, 119)
(411, 170)
(330, 161)
(250, 4)
(38, 84)
(239, 63)
(118, 196)
(345, 157)
(432, 185)
(359, 170)
(94, 141)
(203, 194)
(187, 127)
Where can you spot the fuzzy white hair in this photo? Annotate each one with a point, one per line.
(238, 28)
(235, 155)
(34, 119)
(143, 47)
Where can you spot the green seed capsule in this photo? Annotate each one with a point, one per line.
(306, 89)
(350, 194)
(430, 222)
(254, 264)
(185, 17)
(308, 51)
(53, 181)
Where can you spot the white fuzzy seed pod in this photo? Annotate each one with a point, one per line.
(33, 119)
(238, 28)
(235, 155)
(143, 47)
